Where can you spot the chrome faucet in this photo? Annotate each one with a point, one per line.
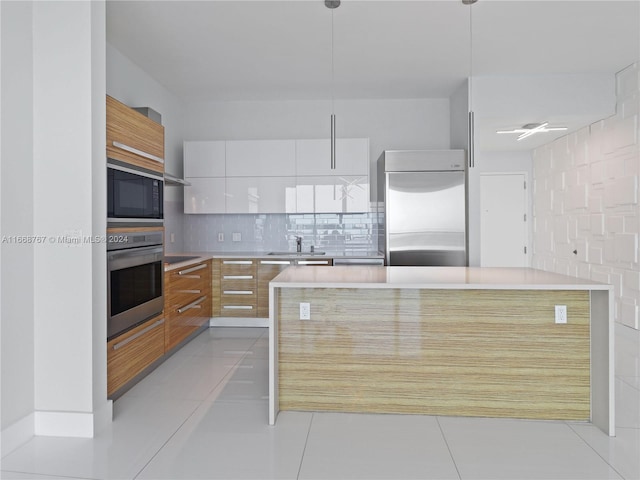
(298, 244)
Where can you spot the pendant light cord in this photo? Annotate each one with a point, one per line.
(333, 114)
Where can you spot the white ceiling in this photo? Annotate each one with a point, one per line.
(270, 50)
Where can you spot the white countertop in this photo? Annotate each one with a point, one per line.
(202, 256)
(430, 278)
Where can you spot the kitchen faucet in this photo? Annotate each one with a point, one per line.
(298, 244)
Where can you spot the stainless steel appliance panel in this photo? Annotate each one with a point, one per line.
(135, 290)
(425, 208)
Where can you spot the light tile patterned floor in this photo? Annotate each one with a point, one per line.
(203, 415)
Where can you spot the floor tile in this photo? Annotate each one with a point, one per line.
(485, 448)
(622, 452)
(139, 429)
(627, 405)
(5, 475)
(350, 446)
(233, 441)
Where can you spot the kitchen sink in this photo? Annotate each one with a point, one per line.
(298, 254)
(170, 259)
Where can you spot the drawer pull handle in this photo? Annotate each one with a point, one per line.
(275, 262)
(313, 262)
(238, 307)
(238, 277)
(135, 151)
(190, 291)
(195, 304)
(138, 335)
(193, 269)
(238, 292)
(237, 262)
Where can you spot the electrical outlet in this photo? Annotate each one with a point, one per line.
(220, 237)
(305, 311)
(237, 237)
(561, 314)
(172, 237)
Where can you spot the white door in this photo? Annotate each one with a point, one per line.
(503, 220)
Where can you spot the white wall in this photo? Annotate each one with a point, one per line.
(132, 86)
(57, 318)
(581, 98)
(586, 199)
(389, 124)
(16, 218)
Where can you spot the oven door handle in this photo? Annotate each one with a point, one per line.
(132, 257)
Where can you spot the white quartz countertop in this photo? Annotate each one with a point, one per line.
(430, 278)
(202, 256)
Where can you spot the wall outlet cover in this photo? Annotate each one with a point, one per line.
(561, 314)
(305, 311)
(221, 237)
(237, 237)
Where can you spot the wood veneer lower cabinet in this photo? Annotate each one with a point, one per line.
(129, 354)
(238, 287)
(187, 304)
(267, 271)
(215, 287)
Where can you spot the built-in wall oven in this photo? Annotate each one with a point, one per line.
(134, 195)
(135, 284)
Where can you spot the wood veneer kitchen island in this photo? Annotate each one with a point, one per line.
(457, 341)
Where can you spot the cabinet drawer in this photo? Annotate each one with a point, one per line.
(185, 317)
(237, 310)
(227, 300)
(130, 353)
(190, 278)
(133, 137)
(241, 284)
(238, 268)
(267, 270)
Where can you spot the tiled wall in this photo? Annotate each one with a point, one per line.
(586, 206)
(353, 232)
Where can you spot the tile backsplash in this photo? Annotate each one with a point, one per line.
(353, 232)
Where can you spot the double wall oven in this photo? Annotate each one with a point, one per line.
(134, 252)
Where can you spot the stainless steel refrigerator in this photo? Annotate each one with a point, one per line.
(425, 197)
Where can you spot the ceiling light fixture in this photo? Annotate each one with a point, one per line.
(531, 129)
(332, 5)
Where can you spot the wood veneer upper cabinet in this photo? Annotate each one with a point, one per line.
(134, 138)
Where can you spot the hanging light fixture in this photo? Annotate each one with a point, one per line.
(332, 5)
(471, 128)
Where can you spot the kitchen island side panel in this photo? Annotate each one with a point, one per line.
(495, 353)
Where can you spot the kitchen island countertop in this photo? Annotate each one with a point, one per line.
(431, 278)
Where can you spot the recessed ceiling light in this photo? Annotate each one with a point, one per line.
(532, 128)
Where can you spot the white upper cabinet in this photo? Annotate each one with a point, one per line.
(332, 194)
(313, 157)
(260, 195)
(261, 158)
(205, 195)
(204, 159)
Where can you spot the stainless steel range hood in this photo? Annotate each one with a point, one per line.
(173, 181)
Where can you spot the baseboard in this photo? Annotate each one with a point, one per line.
(73, 424)
(17, 434)
(238, 322)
